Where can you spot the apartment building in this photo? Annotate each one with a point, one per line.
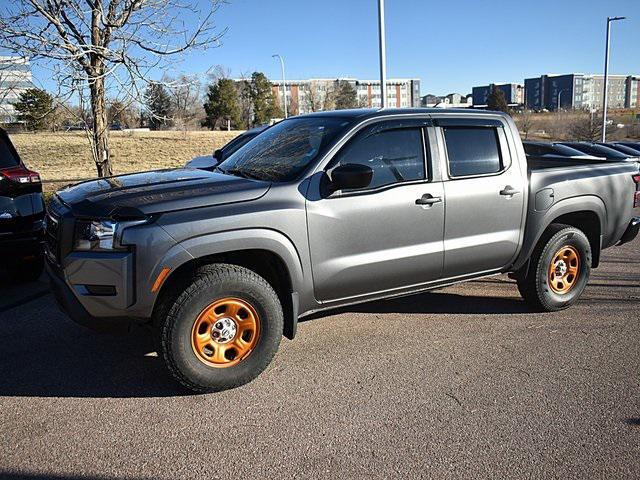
(513, 94)
(15, 78)
(580, 91)
(305, 96)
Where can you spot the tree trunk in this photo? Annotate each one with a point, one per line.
(100, 130)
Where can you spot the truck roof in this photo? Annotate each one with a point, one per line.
(378, 112)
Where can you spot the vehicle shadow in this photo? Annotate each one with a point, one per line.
(434, 302)
(47, 355)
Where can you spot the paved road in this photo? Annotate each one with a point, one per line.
(462, 383)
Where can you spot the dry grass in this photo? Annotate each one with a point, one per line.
(65, 156)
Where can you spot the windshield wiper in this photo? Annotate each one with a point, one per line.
(241, 173)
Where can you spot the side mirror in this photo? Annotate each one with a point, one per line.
(218, 155)
(351, 176)
(202, 163)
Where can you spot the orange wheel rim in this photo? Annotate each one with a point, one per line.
(564, 270)
(225, 333)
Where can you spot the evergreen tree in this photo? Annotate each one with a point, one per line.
(497, 101)
(222, 104)
(158, 104)
(33, 107)
(346, 96)
(263, 100)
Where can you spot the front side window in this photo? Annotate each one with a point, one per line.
(281, 153)
(472, 151)
(395, 156)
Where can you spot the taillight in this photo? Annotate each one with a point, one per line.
(636, 196)
(21, 175)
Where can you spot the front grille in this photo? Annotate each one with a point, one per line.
(52, 235)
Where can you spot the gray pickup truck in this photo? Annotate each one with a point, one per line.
(327, 210)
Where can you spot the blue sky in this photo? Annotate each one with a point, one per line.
(450, 45)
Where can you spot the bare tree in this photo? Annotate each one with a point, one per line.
(525, 123)
(185, 93)
(586, 127)
(105, 45)
(313, 97)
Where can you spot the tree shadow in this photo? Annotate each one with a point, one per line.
(17, 475)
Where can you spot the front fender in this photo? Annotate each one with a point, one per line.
(235, 240)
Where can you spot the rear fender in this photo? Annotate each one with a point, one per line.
(538, 222)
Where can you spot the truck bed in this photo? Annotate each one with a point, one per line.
(600, 185)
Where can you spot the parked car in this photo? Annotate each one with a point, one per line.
(21, 215)
(209, 162)
(322, 211)
(627, 150)
(548, 149)
(600, 151)
(635, 145)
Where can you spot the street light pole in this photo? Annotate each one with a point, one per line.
(559, 94)
(284, 84)
(383, 55)
(606, 76)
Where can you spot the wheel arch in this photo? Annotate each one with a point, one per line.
(587, 213)
(268, 253)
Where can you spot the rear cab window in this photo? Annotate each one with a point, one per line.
(473, 151)
(8, 155)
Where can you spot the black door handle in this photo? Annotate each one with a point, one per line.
(428, 199)
(509, 191)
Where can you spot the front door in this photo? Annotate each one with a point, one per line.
(383, 237)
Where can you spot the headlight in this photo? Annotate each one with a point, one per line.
(96, 235)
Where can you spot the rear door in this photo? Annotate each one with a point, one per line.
(485, 192)
(383, 237)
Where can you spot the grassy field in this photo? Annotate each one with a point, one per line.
(60, 157)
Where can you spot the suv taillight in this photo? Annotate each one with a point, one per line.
(636, 196)
(21, 175)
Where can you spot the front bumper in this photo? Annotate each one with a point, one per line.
(69, 304)
(632, 231)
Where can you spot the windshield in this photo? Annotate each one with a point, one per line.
(282, 152)
(567, 151)
(599, 151)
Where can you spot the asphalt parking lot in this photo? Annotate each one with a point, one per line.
(460, 383)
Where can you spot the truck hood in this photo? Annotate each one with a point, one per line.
(159, 191)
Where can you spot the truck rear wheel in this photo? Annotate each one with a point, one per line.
(223, 330)
(559, 271)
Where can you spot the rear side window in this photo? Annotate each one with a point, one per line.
(395, 156)
(7, 155)
(472, 151)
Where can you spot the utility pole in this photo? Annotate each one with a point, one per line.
(284, 84)
(383, 55)
(606, 76)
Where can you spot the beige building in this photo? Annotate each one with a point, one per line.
(311, 95)
(15, 78)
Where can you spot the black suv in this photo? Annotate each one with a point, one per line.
(21, 215)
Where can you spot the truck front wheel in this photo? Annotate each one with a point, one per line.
(221, 331)
(559, 271)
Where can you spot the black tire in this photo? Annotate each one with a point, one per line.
(211, 283)
(535, 287)
(26, 269)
